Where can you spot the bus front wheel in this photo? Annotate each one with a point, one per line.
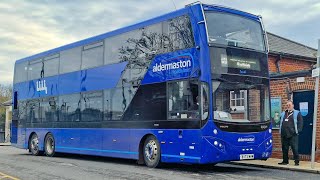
(34, 145)
(151, 152)
(49, 145)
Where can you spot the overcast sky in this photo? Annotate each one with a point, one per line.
(34, 26)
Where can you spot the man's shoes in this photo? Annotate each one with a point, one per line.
(283, 163)
(296, 164)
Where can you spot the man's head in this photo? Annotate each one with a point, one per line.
(290, 105)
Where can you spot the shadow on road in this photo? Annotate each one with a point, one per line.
(195, 168)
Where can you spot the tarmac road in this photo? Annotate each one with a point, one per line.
(18, 163)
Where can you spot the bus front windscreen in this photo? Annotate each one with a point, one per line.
(234, 30)
(241, 99)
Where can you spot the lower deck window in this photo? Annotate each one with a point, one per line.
(183, 100)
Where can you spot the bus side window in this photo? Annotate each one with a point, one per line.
(183, 100)
(35, 69)
(51, 65)
(177, 34)
(70, 60)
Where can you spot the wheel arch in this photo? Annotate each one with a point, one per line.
(45, 136)
(31, 134)
(140, 150)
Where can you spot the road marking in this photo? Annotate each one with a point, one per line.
(5, 176)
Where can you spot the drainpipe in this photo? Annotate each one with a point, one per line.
(277, 63)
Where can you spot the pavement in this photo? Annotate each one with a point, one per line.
(305, 166)
(5, 144)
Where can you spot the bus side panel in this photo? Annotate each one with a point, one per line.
(177, 145)
(124, 143)
(181, 145)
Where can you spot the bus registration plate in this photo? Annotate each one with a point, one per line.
(246, 156)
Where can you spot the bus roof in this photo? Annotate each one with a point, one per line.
(136, 26)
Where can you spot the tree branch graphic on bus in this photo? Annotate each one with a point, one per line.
(151, 41)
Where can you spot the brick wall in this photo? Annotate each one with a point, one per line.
(254, 108)
(278, 89)
(237, 116)
(288, 65)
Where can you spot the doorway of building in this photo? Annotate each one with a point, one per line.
(304, 102)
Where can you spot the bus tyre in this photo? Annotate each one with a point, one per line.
(151, 152)
(34, 145)
(49, 145)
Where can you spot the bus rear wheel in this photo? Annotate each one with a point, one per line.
(151, 152)
(49, 145)
(34, 145)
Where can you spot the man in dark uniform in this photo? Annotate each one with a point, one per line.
(291, 124)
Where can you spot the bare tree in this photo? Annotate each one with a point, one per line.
(5, 95)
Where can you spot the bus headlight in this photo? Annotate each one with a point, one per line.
(215, 131)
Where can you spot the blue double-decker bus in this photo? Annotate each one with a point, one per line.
(191, 86)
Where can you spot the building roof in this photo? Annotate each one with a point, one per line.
(281, 45)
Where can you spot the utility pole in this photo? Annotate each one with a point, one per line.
(315, 73)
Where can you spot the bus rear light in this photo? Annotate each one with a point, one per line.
(215, 143)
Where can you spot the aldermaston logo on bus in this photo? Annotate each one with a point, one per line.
(170, 66)
(41, 86)
(246, 139)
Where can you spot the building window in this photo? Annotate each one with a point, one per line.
(238, 100)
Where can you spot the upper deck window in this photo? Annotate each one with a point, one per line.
(70, 60)
(36, 69)
(233, 30)
(51, 65)
(21, 72)
(92, 55)
(177, 34)
(118, 47)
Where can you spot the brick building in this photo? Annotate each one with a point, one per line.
(290, 65)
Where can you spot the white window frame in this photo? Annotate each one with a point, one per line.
(241, 98)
